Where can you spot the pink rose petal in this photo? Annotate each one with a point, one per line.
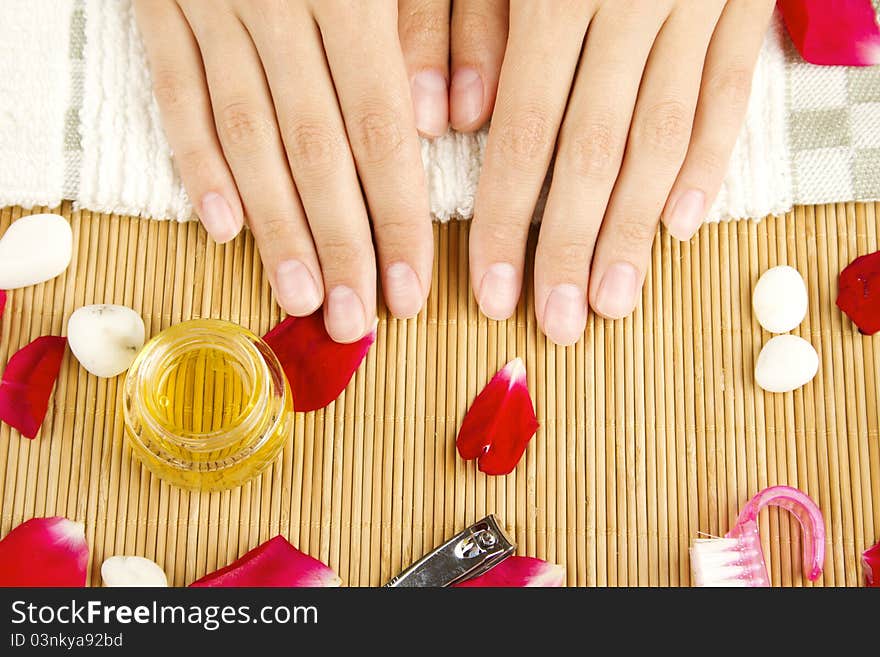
(500, 423)
(317, 368)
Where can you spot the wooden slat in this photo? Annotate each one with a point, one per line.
(651, 428)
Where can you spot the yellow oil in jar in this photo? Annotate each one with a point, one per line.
(207, 405)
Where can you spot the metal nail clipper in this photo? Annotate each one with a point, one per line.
(476, 550)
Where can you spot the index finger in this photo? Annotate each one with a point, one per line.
(371, 82)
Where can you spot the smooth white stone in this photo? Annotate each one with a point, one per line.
(786, 363)
(132, 572)
(35, 249)
(780, 299)
(106, 339)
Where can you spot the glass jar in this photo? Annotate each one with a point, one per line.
(207, 405)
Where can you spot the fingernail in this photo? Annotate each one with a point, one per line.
(687, 215)
(430, 102)
(403, 293)
(296, 289)
(217, 218)
(616, 297)
(466, 95)
(565, 314)
(346, 318)
(499, 292)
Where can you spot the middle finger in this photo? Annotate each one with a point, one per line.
(591, 146)
(542, 53)
(365, 57)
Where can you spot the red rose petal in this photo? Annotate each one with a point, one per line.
(871, 564)
(839, 33)
(2, 303)
(500, 423)
(44, 552)
(275, 563)
(317, 368)
(518, 572)
(858, 292)
(27, 384)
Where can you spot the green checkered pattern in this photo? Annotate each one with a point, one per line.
(834, 130)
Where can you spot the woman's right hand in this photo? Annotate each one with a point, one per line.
(279, 112)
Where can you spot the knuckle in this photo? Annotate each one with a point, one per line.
(173, 93)
(269, 10)
(592, 150)
(275, 18)
(570, 258)
(196, 164)
(243, 127)
(400, 232)
(623, 14)
(545, 17)
(274, 230)
(708, 160)
(525, 138)
(635, 232)
(423, 27)
(501, 238)
(732, 85)
(339, 252)
(313, 147)
(664, 127)
(377, 135)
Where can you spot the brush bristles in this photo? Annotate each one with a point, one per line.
(719, 562)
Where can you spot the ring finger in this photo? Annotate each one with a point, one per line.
(322, 165)
(248, 132)
(656, 147)
(591, 146)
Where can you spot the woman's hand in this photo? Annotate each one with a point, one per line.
(279, 110)
(641, 101)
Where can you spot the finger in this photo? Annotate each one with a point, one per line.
(182, 94)
(477, 41)
(374, 96)
(590, 150)
(724, 98)
(322, 165)
(424, 38)
(655, 150)
(535, 80)
(249, 135)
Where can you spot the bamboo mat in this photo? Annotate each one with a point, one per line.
(651, 428)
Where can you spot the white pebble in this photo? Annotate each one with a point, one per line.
(132, 572)
(106, 339)
(35, 249)
(786, 363)
(780, 299)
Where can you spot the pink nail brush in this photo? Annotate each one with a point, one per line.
(738, 560)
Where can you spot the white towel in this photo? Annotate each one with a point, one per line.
(78, 121)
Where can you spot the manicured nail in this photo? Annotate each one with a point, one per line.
(466, 96)
(565, 314)
(217, 218)
(403, 293)
(430, 102)
(499, 292)
(296, 289)
(346, 317)
(687, 215)
(616, 297)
